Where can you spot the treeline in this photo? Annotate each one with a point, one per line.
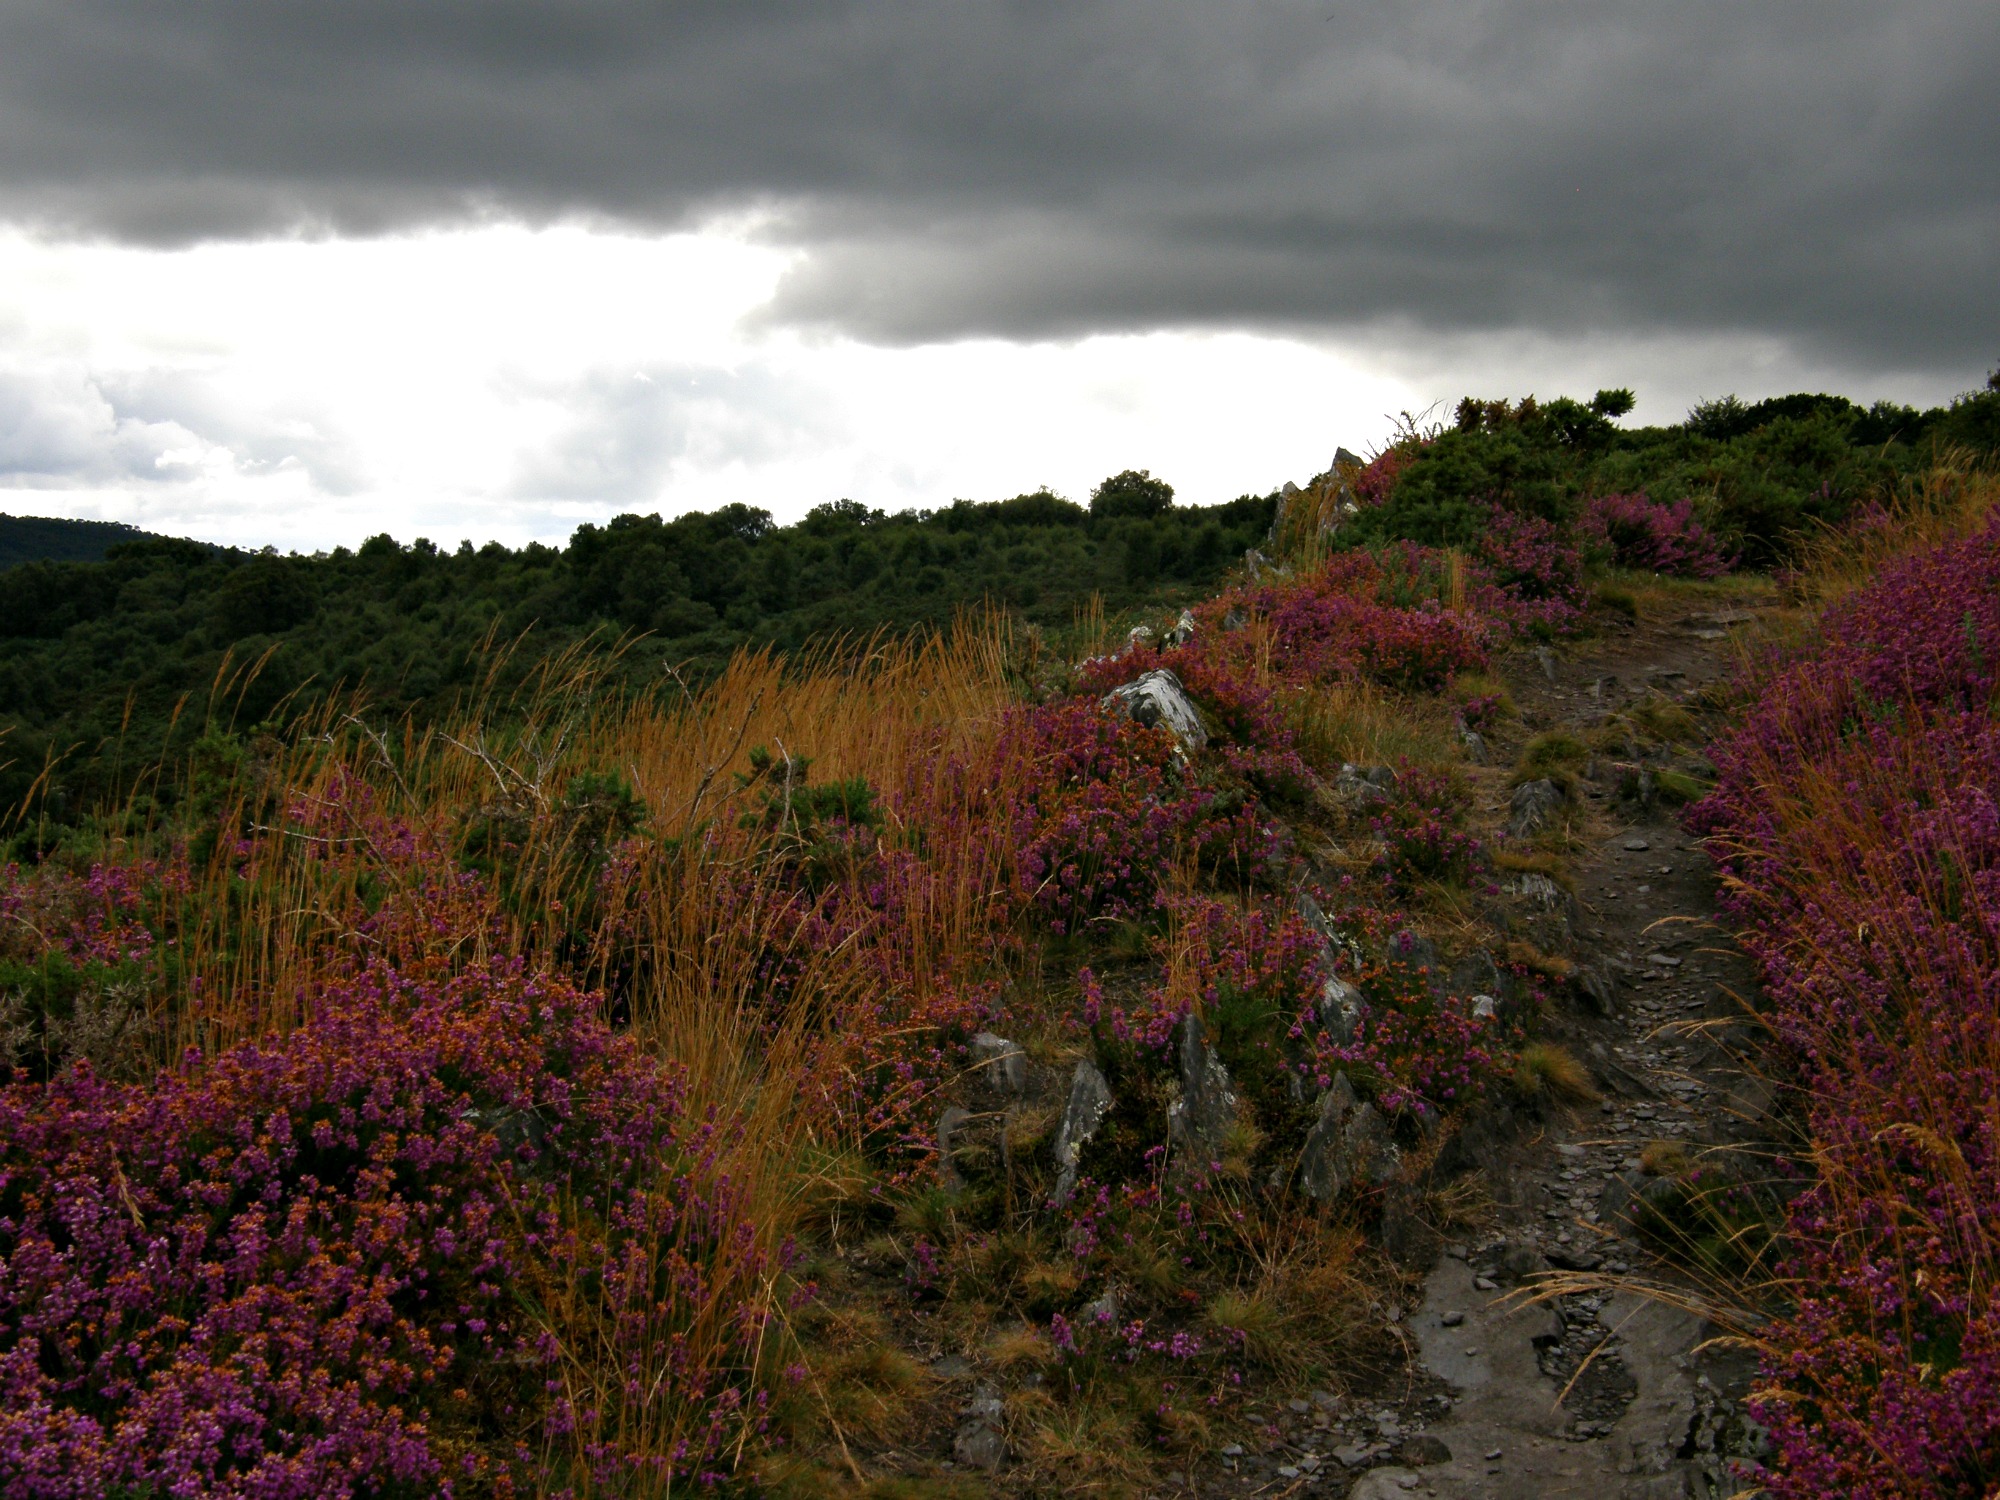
(1759, 475)
(109, 665)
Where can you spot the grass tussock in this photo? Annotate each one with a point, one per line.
(1546, 1072)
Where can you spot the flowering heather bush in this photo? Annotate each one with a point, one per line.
(1653, 535)
(1112, 810)
(1422, 832)
(1533, 572)
(323, 1266)
(1855, 815)
(1345, 619)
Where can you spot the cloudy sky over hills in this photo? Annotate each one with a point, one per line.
(297, 273)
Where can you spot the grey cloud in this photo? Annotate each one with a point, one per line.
(629, 430)
(1821, 171)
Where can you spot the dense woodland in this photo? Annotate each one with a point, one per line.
(109, 664)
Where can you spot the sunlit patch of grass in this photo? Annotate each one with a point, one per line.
(1554, 755)
(1358, 723)
(1545, 1071)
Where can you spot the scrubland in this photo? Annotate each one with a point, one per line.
(606, 1094)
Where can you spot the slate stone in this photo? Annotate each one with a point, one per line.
(1089, 1101)
(1533, 805)
(1157, 697)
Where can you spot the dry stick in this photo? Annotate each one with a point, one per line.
(708, 776)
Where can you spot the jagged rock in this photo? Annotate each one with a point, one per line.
(1340, 1008)
(1159, 698)
(1596, 987)
(1342, 459)
(1183, 630)
(1348, 1144)
(1547, 659)
(1363, 785)
(1518, 1263)
(1000, 1065)
(979, 1442)
(1475, 974)
(1535, 802)
(1089, 1102)
(1474, 745)
(1103, 1310)
(1485, 1007)
(1320, 1174)
(1614, 1204)
(1235, 619)
(1613, 1076)
(1542, 891)
(1423, 1450)
(1256, 564)
(1413, 948)
(1199, 1119)
(1405, 1237)
(1137, 636)
(1370, 1150)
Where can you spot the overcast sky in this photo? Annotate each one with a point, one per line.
(296, 273)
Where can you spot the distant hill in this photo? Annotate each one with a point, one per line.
(25, 539)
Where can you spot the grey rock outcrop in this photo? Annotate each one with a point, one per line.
(1348, 1145)
(1158, 698)
(1089, 1102)
(1183, 630)
(981, 1441)
(1534, 804)
(1475, 974)
(1000, 1066)
(1198, 1121)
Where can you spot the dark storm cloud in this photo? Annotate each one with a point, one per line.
(1824, 172)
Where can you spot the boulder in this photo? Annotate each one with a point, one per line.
(1340, 1008)
(1200, 1118)
(1596, 987)
(1319, 1165)
(1183, 630)
(1137, 636)
(1475, 974)
(980, 1442)
(1534, 804)
(1089, 1102)
(1348, 1145)
(1474, 745)
(1413, 948)
(1158, 698)
(1000, 1065)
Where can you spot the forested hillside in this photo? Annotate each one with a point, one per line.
(25, 539)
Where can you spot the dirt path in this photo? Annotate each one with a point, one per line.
(1649, 1416)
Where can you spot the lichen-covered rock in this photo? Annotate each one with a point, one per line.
(1200, 1118)
(999, 1065)
(1089, 1102)
(1349, 1145)
(1319, 1165)
(1475, 974)
(1534, 804)
(1183, 630)
(1159, 698)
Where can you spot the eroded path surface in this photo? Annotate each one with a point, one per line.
(1653, 1413)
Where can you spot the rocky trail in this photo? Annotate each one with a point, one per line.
(1492, 1403)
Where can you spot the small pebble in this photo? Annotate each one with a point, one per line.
(1493, 1455)
(1486, 1283)
(1452, 1319)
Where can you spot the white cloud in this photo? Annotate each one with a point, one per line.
(502, 382)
